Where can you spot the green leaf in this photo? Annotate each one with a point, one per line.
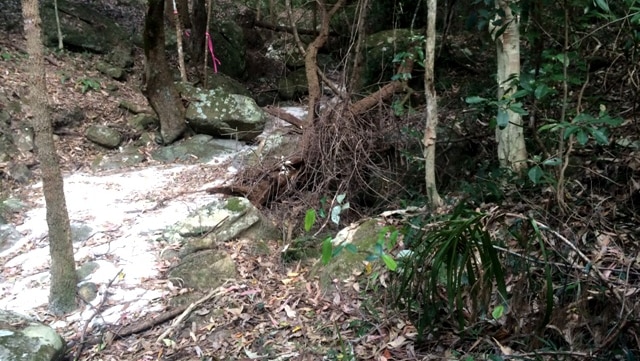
(602, 4)
(519, 94)
(389, 262)
(599, 136)
(535, 174)
(327, 251)
(552, 162)
(475, 100)
(517, 108)
(309, 219)
(340, 198)
(542, 90)
(351, 248)
(498, 312)
(582, 137)
(502, 119)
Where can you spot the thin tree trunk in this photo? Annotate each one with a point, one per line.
(512, 152)
(431, 115)
(161, 92)
(311, 55)
(62, 293)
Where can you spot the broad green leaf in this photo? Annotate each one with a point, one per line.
(602, 4)
(345, 206)
(572, 129)
(502, 119)
(327, 251)
(542, 90)
(550, 127)
(517, 108)
(389, 262)
(535, 174)
(475, 100)
(309, 219)
(582, 137)
(584, 118)
(552, 162)
(340, 198)
(498, 312)
(519, 94)
(599, 136)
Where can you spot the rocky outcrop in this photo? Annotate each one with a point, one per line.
(220, 113)
(23, 339)
(204, 264)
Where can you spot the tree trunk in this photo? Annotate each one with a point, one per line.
(431, 115)
(199, 26)
(512, 152)
(62, 293)
(161, 91)
(311, 55)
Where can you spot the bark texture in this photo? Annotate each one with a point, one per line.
(431, 114)
(63, 275)
(160, 90)
(512, 152)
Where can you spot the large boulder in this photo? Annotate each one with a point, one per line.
(203, 263)
(85, 29)
(221, 221)
(219, 113)
(23, 339)
(230, 48)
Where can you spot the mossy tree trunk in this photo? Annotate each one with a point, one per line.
(62, 293)
(160, 90)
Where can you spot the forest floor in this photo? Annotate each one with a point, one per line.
(274, 311)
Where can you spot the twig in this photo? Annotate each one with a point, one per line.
(216, 292)
(98, 311)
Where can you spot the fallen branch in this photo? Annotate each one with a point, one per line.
(279, 113)
(216, 292)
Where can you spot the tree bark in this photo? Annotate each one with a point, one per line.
(512, 152)
(160, 90)
(62, 292)
(311, 55)
(431, 114)
(199, 26)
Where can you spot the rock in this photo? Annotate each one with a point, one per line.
(20, 173)
(221, 221)
(203, 270)
(88, 291)
(87, 269)
(23, 339)
(86, 29)
(294, 85)
(364, 236)
(80, 232)
(9, 235)
(202, 147)
(218, 113)
(104, 136)
(143, 121)
(230, 48)
(226, 84)
(129, 157)
(111, 71)
(23, 138)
